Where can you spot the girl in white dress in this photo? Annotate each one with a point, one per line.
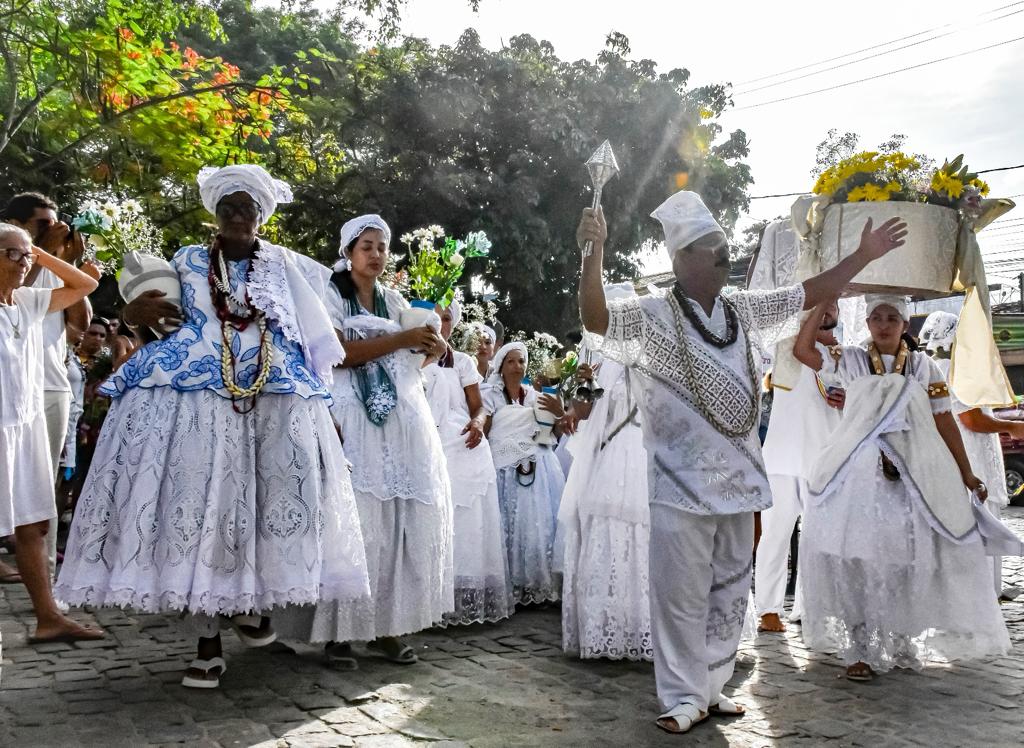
(530, 479)
(604, 520)
(482, 590)
(218, 486)
(398, 467)
(893, 568)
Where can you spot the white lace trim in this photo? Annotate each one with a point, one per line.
(269, 292)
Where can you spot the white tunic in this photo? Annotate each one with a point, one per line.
(691, 465)
(801, 420)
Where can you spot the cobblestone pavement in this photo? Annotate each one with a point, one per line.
(503, 685)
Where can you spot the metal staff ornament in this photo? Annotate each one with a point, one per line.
(602, 167)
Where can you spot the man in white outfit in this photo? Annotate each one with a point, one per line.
(693, 357)
(801, 419)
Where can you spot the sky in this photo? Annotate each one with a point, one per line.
(971, 104)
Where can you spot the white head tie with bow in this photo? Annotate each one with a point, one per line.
(938, 331)
(499, 359)
(352, 230)
(217, 183)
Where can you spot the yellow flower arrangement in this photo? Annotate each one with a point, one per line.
(980, 185)
(943, 182)
(884, 166)
(872, 192)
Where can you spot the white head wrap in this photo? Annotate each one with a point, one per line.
(939, 330)
(613, 291)
(352, 230)
(217, 183)
(490, 333)
(874, 300)
(685, 219)
(456, 310)
(499, 359)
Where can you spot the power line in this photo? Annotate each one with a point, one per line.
(880, 75)
(877, 54)
(865, 49)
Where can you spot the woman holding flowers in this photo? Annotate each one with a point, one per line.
(530, 479)
(482, 591)
(398, 466)
(218, 486)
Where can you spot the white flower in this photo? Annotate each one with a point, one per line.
(97, 241)
(110, 209)
(406, 238)
(479, 241)
(131, 206)
(456, 260)
(426, 244)
(436, 230)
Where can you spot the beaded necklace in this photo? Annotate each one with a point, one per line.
(695, 387)
(878, 366)
(236, 314)
(731, 320)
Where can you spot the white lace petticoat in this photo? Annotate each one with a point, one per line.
(191, 506)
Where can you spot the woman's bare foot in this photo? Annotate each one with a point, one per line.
(63, 629)
(860, 672)
(771, 622)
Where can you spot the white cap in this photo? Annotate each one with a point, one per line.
(685, 218)
(874, 300)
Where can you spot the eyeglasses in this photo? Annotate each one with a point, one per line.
(248, 211)
(16, 255)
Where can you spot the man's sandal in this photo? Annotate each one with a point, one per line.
(212, 669)
(860, 672)
(681, 718)
(249, 630)
(726, 707)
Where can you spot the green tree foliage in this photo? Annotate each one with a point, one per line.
(470, 138)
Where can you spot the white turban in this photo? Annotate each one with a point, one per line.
(499, 359)
(490, 333)
(685, 219)
(217, 183)
(614, 291)
(352, 230)
(456, 309)
(874, 300)
(939, 330)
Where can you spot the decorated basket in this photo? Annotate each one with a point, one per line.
(923, 267)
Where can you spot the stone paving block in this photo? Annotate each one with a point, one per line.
(395, 719)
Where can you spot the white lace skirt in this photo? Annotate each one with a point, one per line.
(606, 608)
(881, 587)
(191, 506)
(409, 555)
(529, 512)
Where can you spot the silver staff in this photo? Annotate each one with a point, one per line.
(602, 167)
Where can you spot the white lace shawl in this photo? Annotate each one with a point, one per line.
(292, 296)
(511, 437)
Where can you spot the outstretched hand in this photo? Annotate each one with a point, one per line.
(876, 243)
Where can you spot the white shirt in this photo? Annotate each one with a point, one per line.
(983, 450)
(691, 464)
(800, 423)
(21, 356)
(55, 349)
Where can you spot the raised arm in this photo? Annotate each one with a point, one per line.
(77, 284)
(874, 243)
(804, 350)
(593, 308)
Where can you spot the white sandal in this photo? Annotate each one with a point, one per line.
(726, 707)
(686, 716)
(253, 622)
(207, 666)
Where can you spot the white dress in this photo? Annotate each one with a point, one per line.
(190, 505)
(605, 521)
(403, 494)
(881, 586)
(26, 476)
(482, 590)
(530, 484)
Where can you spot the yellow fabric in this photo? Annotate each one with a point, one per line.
(976, 372)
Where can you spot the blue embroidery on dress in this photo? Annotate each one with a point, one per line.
(185, 361)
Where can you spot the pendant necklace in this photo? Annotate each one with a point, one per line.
(16, 326)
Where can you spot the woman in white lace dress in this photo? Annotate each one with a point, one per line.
(605, 522)
(218, 486)
(893, 566)
(530, 479)
(398, 467)
(482, 590)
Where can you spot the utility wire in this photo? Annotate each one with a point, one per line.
(865, 49)
(746, 91)
(880, 75)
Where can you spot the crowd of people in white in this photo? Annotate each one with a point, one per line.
(292, 462)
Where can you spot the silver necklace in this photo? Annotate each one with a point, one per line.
(16, 326)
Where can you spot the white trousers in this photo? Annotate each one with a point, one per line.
(777, 524)
(700, 582)
(57, 410)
